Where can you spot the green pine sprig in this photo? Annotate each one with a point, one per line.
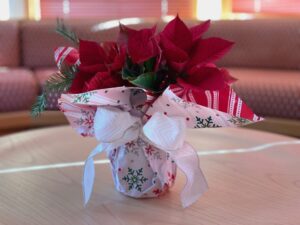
(39, 106)
(61, 81)
(57, 82)
(66, 32)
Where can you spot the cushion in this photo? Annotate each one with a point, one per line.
(10, 46)
(272, 93)
(18, 89)
(39, 40)
(42, 76)
(264, 43)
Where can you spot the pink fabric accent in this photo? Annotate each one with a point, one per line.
(80, 108)
(18, 89)
(10, 44)
(164, 128)
(172, 105)
(273, 93)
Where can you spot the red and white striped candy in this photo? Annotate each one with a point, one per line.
(66, 55)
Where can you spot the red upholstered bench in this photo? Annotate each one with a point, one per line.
(265, 59)
(272, 93)
(18, 89)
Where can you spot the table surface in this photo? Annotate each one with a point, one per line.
(40, 182)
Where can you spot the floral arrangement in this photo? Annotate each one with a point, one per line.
(138, 95)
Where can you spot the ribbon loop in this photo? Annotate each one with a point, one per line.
(112, 124)
(187, 160)
(168, 134)
(89, 173)
(114, 127)
(165, 132)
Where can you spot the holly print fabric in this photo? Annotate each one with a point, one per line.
(196, 116)
(141, 170)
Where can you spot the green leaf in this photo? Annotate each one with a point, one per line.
(127, 74)
(129, 62)
(149, 64)
(145, 80)
(132, 70)
(66, 32)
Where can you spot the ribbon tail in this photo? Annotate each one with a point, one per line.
(187, 160)
(89, 173)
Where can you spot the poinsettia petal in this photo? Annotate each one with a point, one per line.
(141, 45)
(124, 32)
(111, 50)
(171, 51)
(119, 59)
(198, 30)
(205, 78)
(210, 65)
(92, 69)
(115, 55)
(91, 52)
(209, 50)
(178, 66)
(78, 83)
(103, 80)
(97, 81)
(227, 76)
(178, 33)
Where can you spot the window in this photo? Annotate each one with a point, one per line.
(115, 9)
(287, 7)
(4, 10)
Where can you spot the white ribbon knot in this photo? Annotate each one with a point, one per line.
(114, 127)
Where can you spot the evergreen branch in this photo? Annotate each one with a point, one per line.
(66, 32)
(57, 82)
(61, 80)
(39, 106)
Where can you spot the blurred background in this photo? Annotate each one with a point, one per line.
(117, 9)
(265, 59)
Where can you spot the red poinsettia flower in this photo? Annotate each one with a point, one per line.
(141, 44)
(205, 78)
(187, 53)
(99, 67)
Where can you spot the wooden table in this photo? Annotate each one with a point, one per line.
(256, 187)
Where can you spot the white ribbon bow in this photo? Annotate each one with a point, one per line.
(114, 127)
